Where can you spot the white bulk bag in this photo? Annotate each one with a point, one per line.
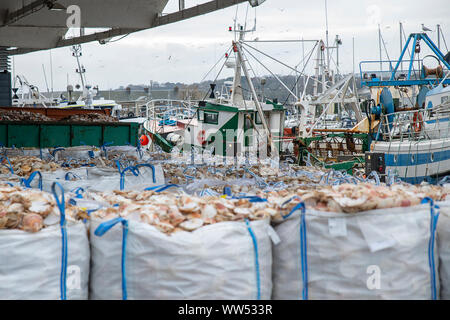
(30, 263)
(63, 177)
(128, 151)
(443, 230)
(108, 179)
(219, 261)
(378, 254)
(77, 153)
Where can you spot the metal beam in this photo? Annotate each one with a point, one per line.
(256, 41)
(401, 83)
(25, 11)
(195, 11)
(157, 21)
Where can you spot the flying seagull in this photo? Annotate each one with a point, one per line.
(425, 28)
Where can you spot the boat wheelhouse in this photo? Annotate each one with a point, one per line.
(229, 130)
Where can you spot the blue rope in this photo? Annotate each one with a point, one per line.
(255, 249)
(304, 253)
(103, 147)
(139, 150)
(56, 150)
(27, 182)
(303, 243)
(78, 191)
(67, 176)
(149, 166)
(162, 187)
(297, 207)
(134, 170)
(11, 169)
(431, 259)
(251, 198)
(124, 249)
(376, 176)
(105, 227)
(61, 206)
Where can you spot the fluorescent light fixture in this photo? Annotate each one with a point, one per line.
(255, 3)
(55, 6)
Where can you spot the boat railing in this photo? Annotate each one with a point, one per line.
(391, 72)
(419, 124)
(161, 110)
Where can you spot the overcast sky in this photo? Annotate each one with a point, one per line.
(187, 50)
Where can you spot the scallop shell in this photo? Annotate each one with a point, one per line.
(242, 211)
(15, 208)
(192, 224)
(190, 207)
(164, 227)
(3, 219)
(32, 222)
(209, 212)
(13, 220)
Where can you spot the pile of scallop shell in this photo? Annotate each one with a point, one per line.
(31, 210)
(171, 213)
(292, 175)
(24, 165)
(90, 117)
(353, 198)
(21, 115)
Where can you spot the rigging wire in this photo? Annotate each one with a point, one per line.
(385, 50)
(246, 15)
(207, 74)
(292, 70)
(276, 60)
(303, 70)
(267, 69)
(217, 76)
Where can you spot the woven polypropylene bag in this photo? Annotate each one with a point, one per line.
(30, 263)
(379, 254)
(214, 262)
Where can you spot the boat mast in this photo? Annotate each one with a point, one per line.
(328, 49)
(76, 52)
(237, 97)
(238, 48)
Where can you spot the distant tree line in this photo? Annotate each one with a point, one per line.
(270, 86)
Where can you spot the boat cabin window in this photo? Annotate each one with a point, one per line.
(444, 99)
(258, 119)
(211, 117)
(201, 115)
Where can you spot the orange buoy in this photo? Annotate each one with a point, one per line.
(417, 123)
(144, 140)
(201, 137)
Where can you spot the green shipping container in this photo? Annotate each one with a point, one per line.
(69, 134)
